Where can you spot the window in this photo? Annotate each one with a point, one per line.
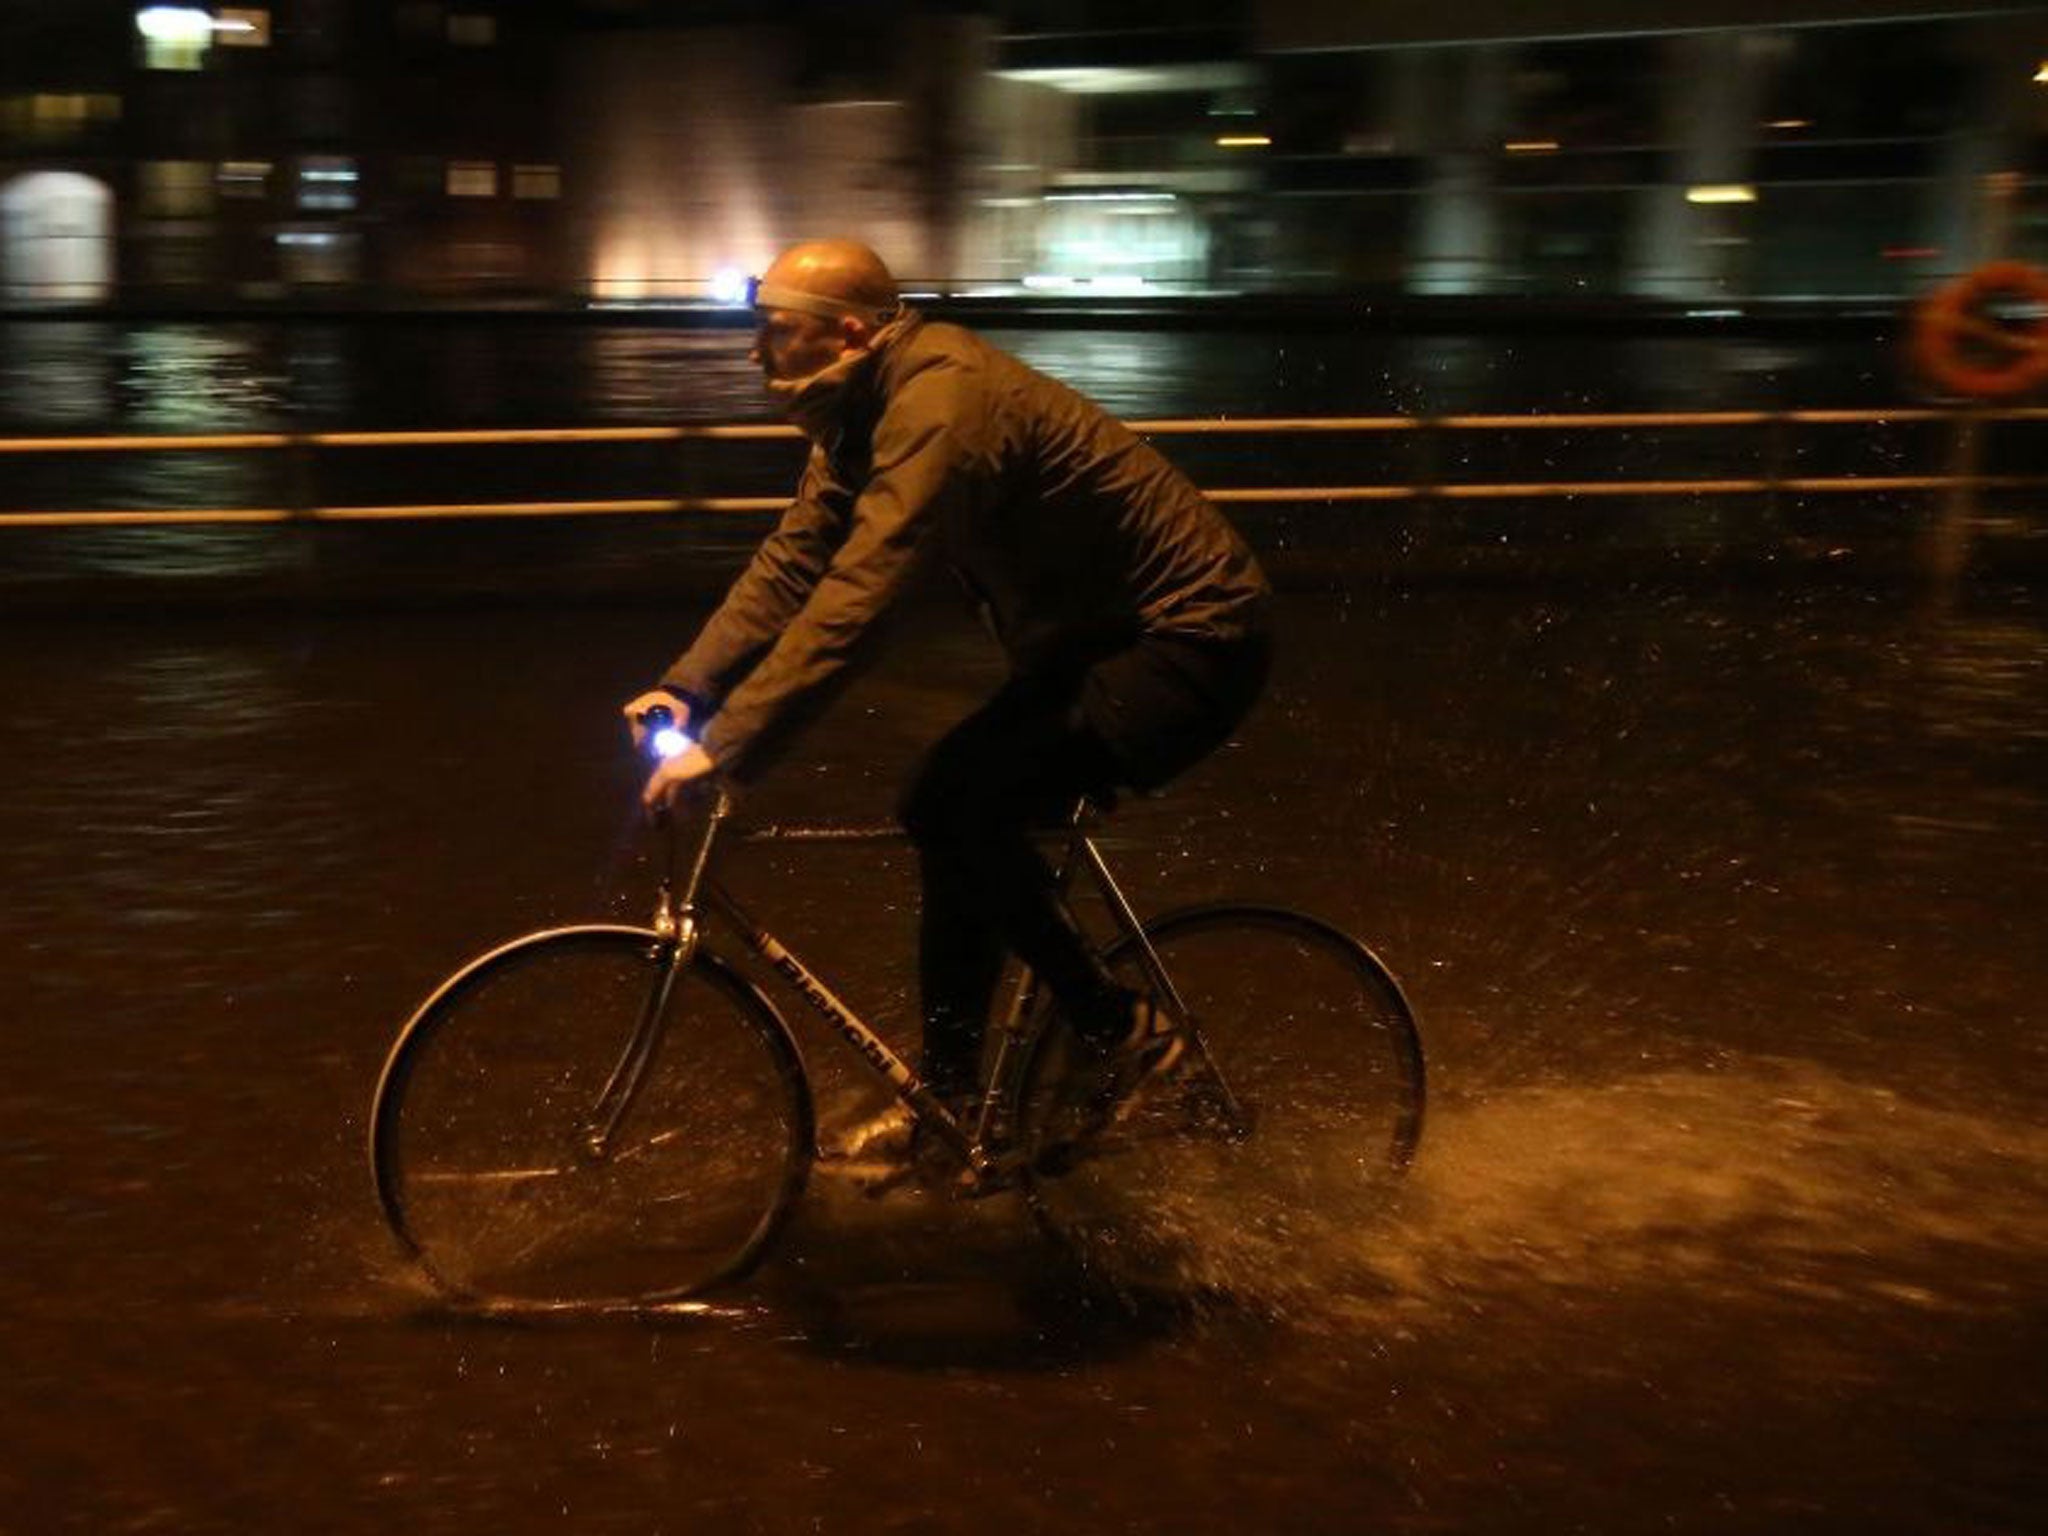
(174, 36)
(319, 108)
(176, 188)
(420, 19)
(244, 178)
(47, 118)
(241, 27)
(536, 181)
(327, 181)
(472, 178)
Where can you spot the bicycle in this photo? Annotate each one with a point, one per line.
(606, 1115)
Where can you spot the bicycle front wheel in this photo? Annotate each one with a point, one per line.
(574, 1119)
(1295, 1108)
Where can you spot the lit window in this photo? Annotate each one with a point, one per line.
(466, 29)
(242, 27)
(244, 178)
(421, 19)
(472, 178)
(314, 257)
(48, 118)
(175, 188)
(327, 181)
(174, 36)
(536, 181)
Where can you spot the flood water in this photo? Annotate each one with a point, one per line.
(1722, 912)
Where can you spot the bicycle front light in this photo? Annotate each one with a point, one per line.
(664, 737)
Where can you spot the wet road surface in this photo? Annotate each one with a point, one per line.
(1722, 913)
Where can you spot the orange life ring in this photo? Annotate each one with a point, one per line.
(1964, 350)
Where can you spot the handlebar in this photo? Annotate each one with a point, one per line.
(663, 739)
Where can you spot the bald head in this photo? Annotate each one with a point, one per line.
(816, 303)
(829, 278)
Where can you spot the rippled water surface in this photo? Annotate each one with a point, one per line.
(168, 376)
(1722, 914)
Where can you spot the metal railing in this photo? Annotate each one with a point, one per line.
(1421, 485)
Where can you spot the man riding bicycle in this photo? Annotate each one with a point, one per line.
(1134, 618)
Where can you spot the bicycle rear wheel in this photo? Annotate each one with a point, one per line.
(1285, 1126)
(565, 1122)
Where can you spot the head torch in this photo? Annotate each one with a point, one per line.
(762, 295)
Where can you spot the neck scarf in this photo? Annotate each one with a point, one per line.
(817, 402)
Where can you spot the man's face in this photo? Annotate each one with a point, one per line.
(788, 345)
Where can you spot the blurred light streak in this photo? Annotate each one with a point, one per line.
(1729, 192)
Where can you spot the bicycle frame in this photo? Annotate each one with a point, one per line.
(679, 914)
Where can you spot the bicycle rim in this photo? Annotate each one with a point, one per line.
(1278, 1137)
(481, 1133)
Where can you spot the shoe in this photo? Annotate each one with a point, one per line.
(1149, 1050)
(887, 1137)
(894, 1148)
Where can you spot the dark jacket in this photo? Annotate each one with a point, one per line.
(1074, 535)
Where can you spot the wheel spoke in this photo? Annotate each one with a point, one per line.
(705, 1125)
(1300, 1103)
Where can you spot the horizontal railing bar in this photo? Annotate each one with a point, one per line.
(1505, 491)
(1240, 494)
(144, 444)
(1164, 426)
(489, 436)
(1481, 491)
(706, 504)
(1245, 425)
(146, 517)
(514, 435)
(1604, 420)
(1863, 418)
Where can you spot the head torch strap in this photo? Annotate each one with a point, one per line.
(775, 296)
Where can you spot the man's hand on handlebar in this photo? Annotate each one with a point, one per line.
(656, 702)
(688, 769)
(659, 721)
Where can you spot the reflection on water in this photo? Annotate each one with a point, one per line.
(256, 375)
(57, 377)
(194, 378)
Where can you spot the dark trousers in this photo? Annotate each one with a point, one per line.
(1135, 718)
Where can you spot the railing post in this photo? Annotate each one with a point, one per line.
(1425, 472)
(1948, 541)
(301, 499)
(301, 487)
(689, 466)
(1777, 437)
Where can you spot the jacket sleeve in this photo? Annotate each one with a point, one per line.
(922, 465)
(769, 592)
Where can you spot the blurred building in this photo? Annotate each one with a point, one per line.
(312, 148)
(633, 151)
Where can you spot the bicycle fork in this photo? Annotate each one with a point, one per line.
(675, 921)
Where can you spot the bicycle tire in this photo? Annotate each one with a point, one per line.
(480, 1129)
(1199, 1188)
